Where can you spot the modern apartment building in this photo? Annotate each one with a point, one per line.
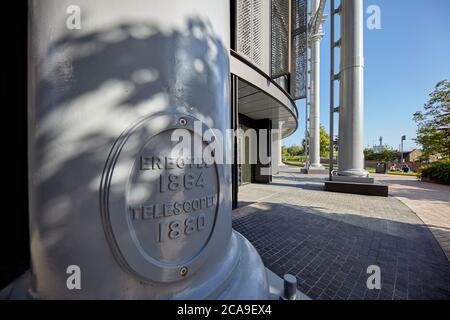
(268, 65)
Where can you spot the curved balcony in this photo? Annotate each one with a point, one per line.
(260, 97)
(269, 58)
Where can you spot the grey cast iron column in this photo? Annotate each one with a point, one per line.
(351, 115)
(110, 85)
(315, 94)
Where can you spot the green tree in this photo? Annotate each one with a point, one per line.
(433, 123)
(295, 150)
(284, 153)
(370, 154)
(324, 142)
(388, 154)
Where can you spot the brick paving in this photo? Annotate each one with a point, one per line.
(327, 240)
(431, 203)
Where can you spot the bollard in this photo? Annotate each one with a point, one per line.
(289, 287)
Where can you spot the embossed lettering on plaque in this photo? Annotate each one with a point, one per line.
(171, 202)
(159, 207)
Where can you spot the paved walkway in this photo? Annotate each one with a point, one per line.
(327, 240)
(431, 203)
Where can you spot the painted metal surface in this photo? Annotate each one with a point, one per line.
(351, 110)
(104, 100)
(314, 150)
(332, 80)
(253, 32)
(299, 54)
(280, 29)
(171, 204)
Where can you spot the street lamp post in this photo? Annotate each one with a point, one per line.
(401, 148)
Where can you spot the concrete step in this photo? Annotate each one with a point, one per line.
(371, 189)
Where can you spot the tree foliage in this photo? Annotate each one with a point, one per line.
(433, 123)
(439, 171)
(388, 154)
(324, 142)
(295, 150)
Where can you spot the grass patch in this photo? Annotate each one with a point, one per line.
(410, 174)
(294, 163)
(370, 170)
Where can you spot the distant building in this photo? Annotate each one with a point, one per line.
(416, 156)
(436, 157)
(380, 147)
(412, 156)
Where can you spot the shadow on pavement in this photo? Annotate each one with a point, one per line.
(329, 253)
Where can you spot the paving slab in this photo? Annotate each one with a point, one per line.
(430, 201)
(328, 240)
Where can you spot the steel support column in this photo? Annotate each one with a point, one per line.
(351, 115)
(315, 94)
(106, 99)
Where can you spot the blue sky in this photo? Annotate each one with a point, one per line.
(403, 62)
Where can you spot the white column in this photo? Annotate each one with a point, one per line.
(351, 115)
(315, 95)
(280, 150)
(276, 147)
(280, 138)
(276, 143)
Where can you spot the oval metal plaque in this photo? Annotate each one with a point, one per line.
(159, 207)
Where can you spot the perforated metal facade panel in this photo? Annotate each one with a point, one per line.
(244, 28)
(280, 38)
(253, 31)
(272, 34)
(258, 32)
(299, 69)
